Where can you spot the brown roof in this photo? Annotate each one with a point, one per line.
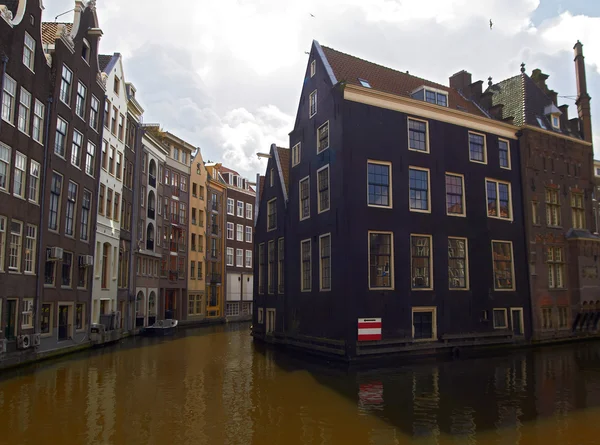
(103, 61)
(349, 69)
(224, 169)
(261, 186)
(49, 30)
(284, 158)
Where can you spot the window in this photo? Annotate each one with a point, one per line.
(313, 68)
(555, 121)
(117, 85)
(503, 265)
(67, 269)
(2, 240)
(239, 257)
(182, 213)
(193, 270)
(101, 199)
(30, 248)
(240, 232)
(85, 214)
(46, 320)
(325, 262)
(563, 317)
(113, 121)
(117, 203)
(500, 319)
(111, 160)
(27, 313)
(432, 96)
(418, 180)
(249, 258)
(421, 262)
(229, 258)
(381, 266)
(49, 270)
(577, 210)
(38, 122)
(183, 183)
(109, 200)
(14, 248)
(304, 198)
(552, 207)
(4, 166)
(498, 199)
(379, 184)
(458, 264)
(477, 150)
(65, 85)
(296, 154)
(60, 141)
(55, 193)
(121, 127)
(424, 323)
(271, 267)
(106, 113)
(119, 163)
(143, 200)
(280, 265)
(547, 318)
(105, 265)
(240, 209)
(8, 99)
(364, 83)
(248, 234)
(323, 137)
(176, 154)
(94, 112)
(271, 177)
(29, 52)
(312, 104)
(34, 181)
(80, 100)
(200, 268)
(248, 211)
(535, 214)
(230, 204)
(261, 268)
(272, 214)
(323, 183)
(417, 135)
(555, 260)
(24, 118)
(80, 316)
(455, 197)
(305, 271)
(70, 210)
(104, 155)
(504, 153)
(89, 159)
(76, 148)
(19, 175)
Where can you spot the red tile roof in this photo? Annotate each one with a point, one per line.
(49, 30)
(349, 69)
(284, 158)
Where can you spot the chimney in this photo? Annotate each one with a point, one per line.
(554, 96)
(460, 81)
(475, 90)
(583, 98)
(564, 117)
(539, 79)
(496, 111)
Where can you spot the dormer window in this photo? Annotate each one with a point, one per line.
(85, 51)
(313, 68)
(541, 122)
(555, 121)
(364, 83)
(431, 95)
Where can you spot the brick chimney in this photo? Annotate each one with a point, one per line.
(583, 98)
(460, 81)
(539, 79)
(564, 117)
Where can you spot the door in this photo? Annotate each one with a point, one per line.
(517, 321)
(11, 319)
(63, 323)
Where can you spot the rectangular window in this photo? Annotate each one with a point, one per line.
(313, 68)
(106, 114)
(111, 160)
(280, 265)
(65, 85)
(381, 273)
(2, 241)
(9, 99)
(30, 248)
(503, 265)
(424, 323)
(182, 213)
(230, 206)
(248, 234)
(555, 260)
(306, 275)
(101, 199)
(55, 193)
(183, 183)
(27, 313)
(109, 200)
(261, 268)
(116, 207)
(85, 214)
(76, 148)
(89, 159)
(80, 100)
(304, 198)
(67, 269)
(498, 199)
(46, 319)
(477, 149)
(323, 137)
(325, 262)
(14, 251)
(19, 175)
(113, 121)
(271, 267)
(455, 197)
(229, 258)
(547, 318)
(94, 112)
(240, 209)
(535, 213)
(458, 264)
(312, 104)
(239, 257)
(421, 262)
(29, 52)
(504, 153)
(272, 214)
(296, 153)
(4, 166)
(417, 135)
(121, 127)
(552, 207)
(193, 270)
(500, 319)
(323, 183)
(119, 164)
(60, 142)
(38, 122)
(418, 180)
(240, 232)
(379, 184)
(249, 258)
(24, 118)
(70, 210)
(80, 316)
(577, 210)
(563, 318)
(248, 211)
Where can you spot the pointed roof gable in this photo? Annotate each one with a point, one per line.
(284, 159)
(104, 60)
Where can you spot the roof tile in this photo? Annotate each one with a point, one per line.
(49, 30)
(284, 158)
(103, 61)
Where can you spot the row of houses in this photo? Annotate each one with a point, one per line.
(410, 216)
(104, 219)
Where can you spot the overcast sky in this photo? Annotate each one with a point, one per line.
(226, 75)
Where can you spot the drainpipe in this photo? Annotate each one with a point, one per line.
(41, 251)
(134, 217)
(4, 61)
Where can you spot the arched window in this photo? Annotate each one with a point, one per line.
(152, 173)
(151, 204)
(150, 237)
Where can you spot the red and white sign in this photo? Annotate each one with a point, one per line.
(369, 329)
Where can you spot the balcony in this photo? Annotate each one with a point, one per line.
(151, 213)
(214, 278)
(152, 181)
(214, 229)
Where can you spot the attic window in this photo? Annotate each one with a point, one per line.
(541, 122)
(85, 51)
(364, 83)
(555, 121)
(431, 95)
(313, 68)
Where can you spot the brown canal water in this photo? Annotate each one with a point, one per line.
(215, 386)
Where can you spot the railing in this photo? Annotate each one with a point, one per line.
(173, 275)
(214, 278)
(151, 213)
(150, 244)
(215, 229)
(152, 181)
(175, 191)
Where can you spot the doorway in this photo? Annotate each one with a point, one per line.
(64, 331)
(10, 324)
(516, 315)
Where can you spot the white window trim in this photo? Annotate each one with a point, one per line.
(314, 93)
(326, 123)
(392, 272)
(432, 309)
(464, 199)
(24, 176)
(309, 241)
(246, 257)
(241, 263)
(512, 265)
(485, 156)
(433, 90)
(32, 67)
(520, 309)
(508, 153)
(313, 68)
(10, 121)
(431, 272)
(414, 167)
(270, 229)
(467, 283)
(237, 232)
(227, 256)
(296, 149)
(248, 210)
(505, 318)
(552, 117)
(510, 200)
(232, 231)
(246, 234)
(9, 167)
(237, 211)
(4, 221)
(321, 288)
(306, 178)
(408, 119)
(233, 206)
(319, 209)
(388, 164)
(27, 129)
(18, 269)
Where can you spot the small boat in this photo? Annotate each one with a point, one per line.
(161, 328)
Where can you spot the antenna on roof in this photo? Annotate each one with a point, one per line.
(569, 97)
(63, 14)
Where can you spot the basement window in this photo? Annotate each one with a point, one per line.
(364, 83)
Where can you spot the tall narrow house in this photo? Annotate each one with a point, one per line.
(557, 173)
(216, 190)
(403, 224)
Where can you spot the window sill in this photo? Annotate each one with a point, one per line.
(418, 151)
(419, 289)
(66, 287)
(555, 227)
(478, 162)
(460, 215)
(47, 335)
(49, 286)
(22, 198)
(14, 272)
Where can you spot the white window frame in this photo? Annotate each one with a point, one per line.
(512, 261)
(31, 234)
(239, 232)
(319, 208)
(510, 200)
(232, 202)
(436, 91)
(38, 122)
(24, 114)
(321, 288)
(467, 284)
(29, 50)
(76, 149)
(90, 159)
(240, 209)
(9, 99)
(427, 148)
(229, 251)
(26, 311)
(390, 186)
(248, 211)
(313, 68)
(17, 268)
(391, 287)
(296, 154)
(505, 318)
(312, 99)
(521, 319)
(230, 226)
(60, 120)
(485, 156)
(248, 234)
(79, 106)
(507, 142)
(20, 170)
(309, 289)
(68, 91)
(414, 167)
(94, 113)
(552, 118)
(463, 196)
(431, 263)
(5, 159)
(307, 179)
(319, 148)
(3, 224)
(431, 309)
(239, 257)
(33, 186)
(249, 259)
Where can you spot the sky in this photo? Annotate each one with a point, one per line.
(226, 75)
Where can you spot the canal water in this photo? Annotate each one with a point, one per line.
(214, 386)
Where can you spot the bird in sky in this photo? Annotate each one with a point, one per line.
(491, 24)
(311, 15)
(306, 52)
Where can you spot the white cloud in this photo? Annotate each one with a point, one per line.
(226, 75)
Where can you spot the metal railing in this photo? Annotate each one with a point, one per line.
(152, 181)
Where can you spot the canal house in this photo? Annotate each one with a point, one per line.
(403, 218)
